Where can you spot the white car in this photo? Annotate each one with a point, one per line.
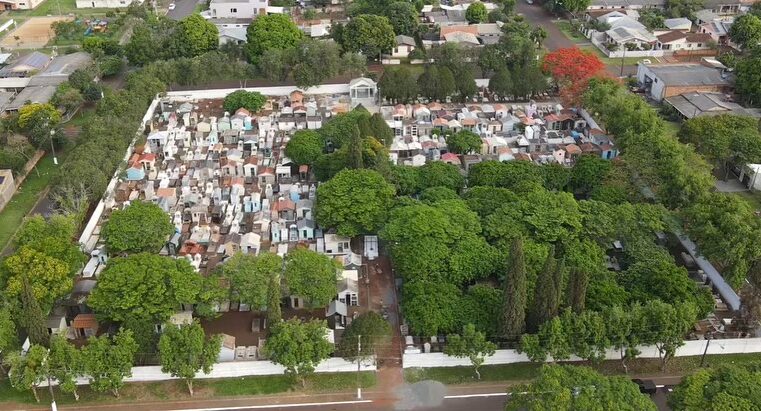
(530, 1)
(171, 6)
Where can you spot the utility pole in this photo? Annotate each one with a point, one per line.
(705, 351)
(359, 366)
(623, 56)
(52, 147)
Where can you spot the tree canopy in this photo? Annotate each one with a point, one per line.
(251, 275)
(464, 142)
(142, 226)
(354, 202)
(268, 32)
(184, 351)
(304, 147)
(476, 13)
(371, 330)
(196, 36)
(109, 361)
(144, 287)
(298, 346)
(471, 344)
(368, 34)
(729, 387)
(566, 388)
(311, 275)
(250, 100)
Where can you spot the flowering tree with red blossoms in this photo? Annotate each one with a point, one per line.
(571, 68)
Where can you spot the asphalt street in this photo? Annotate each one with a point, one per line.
(182, 8)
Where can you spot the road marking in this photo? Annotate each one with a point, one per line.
(495, 394)
(293, 405)
(660, 386)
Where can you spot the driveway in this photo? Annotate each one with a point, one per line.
(182, 8)
(536, 15)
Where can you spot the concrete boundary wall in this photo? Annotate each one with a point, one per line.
(236, 369)
(690, 348)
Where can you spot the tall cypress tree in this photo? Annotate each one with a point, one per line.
(514, 296)
(32, 317)
(557, 277)
(355, 150)
(578, 281)
(545, 294)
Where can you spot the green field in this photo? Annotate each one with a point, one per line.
(523, 372)
(573, 35)
(25, 198)
(176, 390)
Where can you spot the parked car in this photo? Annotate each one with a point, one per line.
(172, 6)
(530, 1)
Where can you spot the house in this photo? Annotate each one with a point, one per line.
(676, 40)
(19, 4)
(7, 187)
(234, 35)
(696, 104)
(85, 325)
(626, 4)
(623, 36)
(714, 25)
(665, 80)
(105, 4)
(404, 46)
(348, 288)
(237, 9)
(305, 229)
(26, 65)
(336, 314)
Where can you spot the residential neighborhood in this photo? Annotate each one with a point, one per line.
(244, 204)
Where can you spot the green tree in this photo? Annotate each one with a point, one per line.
(356, 160)
(48, 277)
(729, 387)
(250, 100)
(406, 180)
(368, 34)
(380, 129)
(8, 334)
(748, 78)
(268, 32)
(652, 19)
(35, 112)
(67, 97)
(184, 351)
(298, 346)
(108, 362)
(437, 83)
(99, 46)
(431, 307)
(370, 330)
(567, 388)
(52, 237)
(250, 276)
(464, 142)
(482, 306)
(142, 226)
(354, 202)
(746, 31)
(65, 364)
(195, 36)
(403, 17)
(485, 200)
(311, 275)
(476, 13)
(144, 287)
(545, 303)
(304, 147)
(577, 289)
(586, 333)
(683, 8)
(110, 66)
(274, 298)
(588, 173)
(28, 371)
(433, 195)
(471, 344)
(32, 318)
(623, 327)
(440, 174)
(501, 82)
(515, 294)
(668, 325)
(398, 84)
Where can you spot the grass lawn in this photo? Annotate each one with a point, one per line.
(573, 35)
(58, 8)
(25, 198)
(672, 127)
(521, 372)
(176, 390)
(628, 61)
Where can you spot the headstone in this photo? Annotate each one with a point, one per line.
(427, 347)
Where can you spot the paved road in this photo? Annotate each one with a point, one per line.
(182, 8)
(536, 15)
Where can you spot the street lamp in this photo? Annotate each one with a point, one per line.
(52, 147)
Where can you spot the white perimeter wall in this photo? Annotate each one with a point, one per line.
(690, 348)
